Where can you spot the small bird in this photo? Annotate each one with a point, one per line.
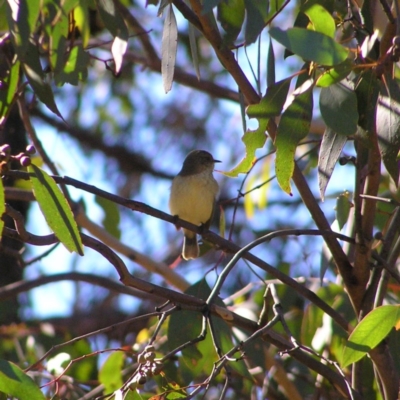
(193, 196)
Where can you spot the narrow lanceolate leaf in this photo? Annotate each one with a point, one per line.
(293, 126)
(10, 83)
(2, 206)
(55, 209)
(17, 384)
(343, 206)
(338, 106)
(193, 49)
(388, 126)
(169, 46)
(331, 148)
(311, 45)
(370, 332)
(22, 17)
(118, 50)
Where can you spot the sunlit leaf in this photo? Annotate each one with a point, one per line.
(110, 374)
(118, 50)
(169, 46)
(374, 327)
(330, 150)
(293, 126)
(75, 68)
(55, 209)
(252, 140)
(16, 383)
(321, 20)
(81, 20)
(338, 106)
(335, 74)
(311, 45)
(388, 126)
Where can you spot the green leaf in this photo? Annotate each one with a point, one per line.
(252, 140)
(374, 327)
(34, 73)
(14, 382)
(55, 209)
(343, 206)
(112, 19)
(257, 13)
(75, 68)
(293, 126)
(10, 81)
(270, 64)
(111, 218)
(2, 206)
(338, 106)
(201, 355)
(231, 16)
(56, 26)
(193, 48)
(321, 20)
(330, 150)
(388, 126)
(110, 374)
(208, 5)
(335, 74)
(169, 46)
(311, 45)
(272, 103)
(22, 17)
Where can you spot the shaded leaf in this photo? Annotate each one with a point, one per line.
(343, 206)
(55, 209)
(330, 150)
(193, 49)
(112, 18)
(293, 126)
(311, 45)
(270, 64)
(2, 206)
(208, 5)
(10, 81)
(231, 16)
(257, 13)
(338, 106)
(388, 126)
(16, 383)
(22, 17)
(169, 46)
(34, 73)
(373, 328)
(272, 103)
(111, 216)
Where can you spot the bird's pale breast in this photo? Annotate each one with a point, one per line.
(192, 197)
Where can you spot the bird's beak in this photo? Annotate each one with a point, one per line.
(217, 161)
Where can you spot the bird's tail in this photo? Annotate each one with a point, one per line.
(190, 247)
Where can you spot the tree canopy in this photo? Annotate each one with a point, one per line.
(296, 290)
